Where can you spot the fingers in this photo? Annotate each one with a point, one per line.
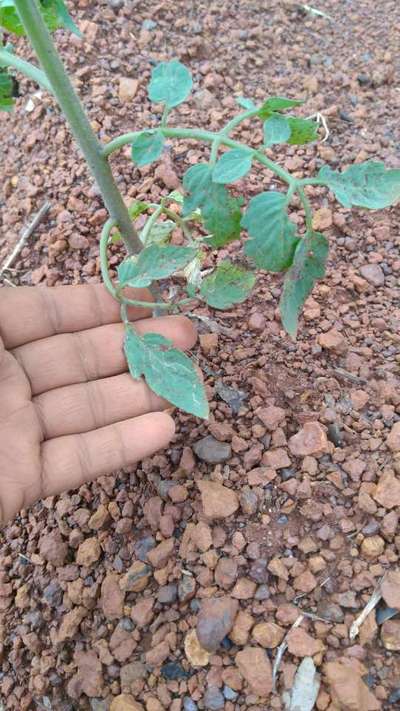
(89, 406)
(69, 462)
(97, 353)
(30, 313)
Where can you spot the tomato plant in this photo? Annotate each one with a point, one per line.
(207, 214)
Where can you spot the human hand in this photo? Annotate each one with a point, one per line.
(69, 411)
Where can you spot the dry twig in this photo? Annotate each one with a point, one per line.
(24, 237)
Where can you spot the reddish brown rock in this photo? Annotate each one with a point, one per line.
(159, 556)
(226, 572)
(125, 702)
(390, 635)
(142, 613)
(268, 634)
(393, 440)
(244, 589)
(136, 578)
(241, 628)
(347, 688)
(301, 644)
(158, 654)
(391, 588)
(305, 582)
(272, 417)
(112, 597)
(127, 88)
(387, 492)
(333, 340)
(88, 552)
(277, 567)
(70, 623)
(276, 458)
(255, 667)
(53, 548)
(311, 440)
(218, 501)
(89, 674)
(215, 621)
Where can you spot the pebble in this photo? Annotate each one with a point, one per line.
(213, 699)
(142, 612)
(373, 546)
(347, 687)
(268, 634)
(301, 644)
(311, 440)
(125, 702)
(226, 572)
(53, 548)
(390, 588)
(189, 704)
(159, 556)
(88, 552)
(218, 501)
(387, 492)
(373, 274)
(112, 597)
(272, 417)
(173, 671)
(393, 439)
(390, 635)
(127, 89)
(211, 450)
(195, 653)
(255, 667)
(333, 340)
(241, 629)
(137, 577)
(167, 594)
(215, 621)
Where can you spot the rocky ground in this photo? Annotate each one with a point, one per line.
(171, 586)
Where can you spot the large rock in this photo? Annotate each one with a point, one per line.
(255, 667)
(218, 501)
(347, 688)
(212, 450)
(311, 440)
(215, 621)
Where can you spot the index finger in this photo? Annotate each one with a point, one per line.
(30, 313)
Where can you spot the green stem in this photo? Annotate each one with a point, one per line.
(150, 222)
(306, 207)
(231, 125)
(7, 59)
(72, 108)
(199, 135)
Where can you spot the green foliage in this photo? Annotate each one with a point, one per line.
(247, 104)
(364, 185)
(308, 266)
(232, 166)
(159, 232)
(6, 91)
(137, 208)
(277, 103)
(153, 262)
(272, 234)
(55, 15)
(220, 212)
(276, 130)
(302, 130)
(168, 371)
(227, 285)
(171, 83)
(147, 147)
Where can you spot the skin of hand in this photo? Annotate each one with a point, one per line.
(69, 410)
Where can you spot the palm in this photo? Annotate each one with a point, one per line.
(69, 411)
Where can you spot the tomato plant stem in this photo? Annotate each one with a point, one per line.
(73, 110)
(199, 135)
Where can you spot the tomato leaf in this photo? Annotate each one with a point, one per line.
(147, 147)
(302, 130)
(167, 371)
(232, 166)
(277, 103)
(171, 83)
(276, 130)
(366, 184)
(308, 266)
(153, 262)
(227, 285)
(272, 234)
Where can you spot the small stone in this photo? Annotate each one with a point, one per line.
(259, 571)
(301, 644)
(202, 536)
(390, 635)
(333, 340)
(77, 241)
(189, 704)
(387, 492)
(226, 572)
(393, 440)
(244, 589)
(159, 556)
(88, 552)
(218, 501)
(257, 322)
(322, 219)
(255, 667)
(158, 654)
(186, 588)
(53, 548)
(208, 342)
(70, 623)
(268, 634)
(276, 458)
(167, 175)
(89, 673)
(195, 653)
(125, 702)
(142, 613)
(213, 699)
(347, 688)
(391, 588)
(272, 417)
(305, 582)
(137, 577)
(249, 502)
(215, 621)
(277, 568)
(373, 273)
(167, 594)
(53, 594)
(311, 440)
(330, 611)
(373, 546)
(241, 629)
(112, 597)
(127, 88)
(212, 451)
(359, 399)
(99, 518)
